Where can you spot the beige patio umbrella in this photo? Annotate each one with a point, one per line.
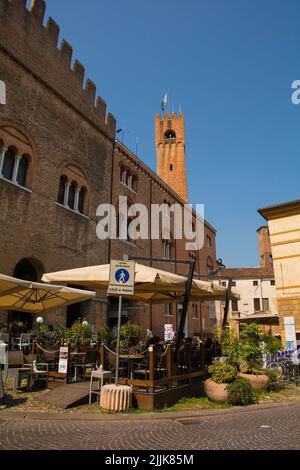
(34, 297)
(151, 284)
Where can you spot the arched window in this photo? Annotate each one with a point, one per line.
(169, 134)
(130, 181)
(71, 198)
(210, 265)
(166, 249)
(124, 176)
(81, 198)
(22, 170)
(8, 164)
(208, 238)
(171, 167)
(61, 190)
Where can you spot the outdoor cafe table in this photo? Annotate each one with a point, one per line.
(131, 358)
(74, 357)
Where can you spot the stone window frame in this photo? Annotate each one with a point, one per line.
(80, 182)
(14, 137)
(128, 177)
(119, 220)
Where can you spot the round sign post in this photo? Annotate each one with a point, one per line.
(118, 340)
(121, 281)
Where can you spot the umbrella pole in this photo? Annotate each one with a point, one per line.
(180, 333)
(226, 308)
(118, 339)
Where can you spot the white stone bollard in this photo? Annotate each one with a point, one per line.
(115, 398)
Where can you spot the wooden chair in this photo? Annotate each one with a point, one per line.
(17, 368)
(89, 361)
(38, 372)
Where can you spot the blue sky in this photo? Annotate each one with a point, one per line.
(230, 65)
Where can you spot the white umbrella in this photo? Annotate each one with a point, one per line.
(151, 284)
(34, 297)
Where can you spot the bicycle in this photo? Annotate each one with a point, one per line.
(284, 367)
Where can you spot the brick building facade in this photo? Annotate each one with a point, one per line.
(132, 178)
(255, 286)
(58, 161)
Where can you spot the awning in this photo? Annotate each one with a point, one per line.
(260, 318)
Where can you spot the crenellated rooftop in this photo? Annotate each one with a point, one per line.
(35, 47)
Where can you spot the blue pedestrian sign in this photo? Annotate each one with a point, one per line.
(121, 278)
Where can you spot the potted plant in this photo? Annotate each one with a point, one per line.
(222, 373)
(253, 345)
(104, 335)
(78, 336)
(130, 333)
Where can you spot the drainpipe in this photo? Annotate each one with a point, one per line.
(110, 201)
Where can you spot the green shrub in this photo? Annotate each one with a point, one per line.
(271, 344)
(222, 372)
(229, 345)
(130, 333)
(104, 335)
(240, 392)
(78, 335)
(45, 337)
(253, 344)
(272, 375)
(251, 352)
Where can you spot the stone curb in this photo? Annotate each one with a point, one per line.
(175, 416)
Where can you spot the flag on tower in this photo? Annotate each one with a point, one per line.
(164, 102)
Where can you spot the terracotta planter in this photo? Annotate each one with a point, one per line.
(257, 382)
(215, 392)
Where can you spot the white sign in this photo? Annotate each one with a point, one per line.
(63, 360)
(2, 92)
(289, 327)
(121, 278)
(169, 332)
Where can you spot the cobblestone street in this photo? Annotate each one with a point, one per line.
(267, 428)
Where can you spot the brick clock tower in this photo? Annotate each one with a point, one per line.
(170, 152)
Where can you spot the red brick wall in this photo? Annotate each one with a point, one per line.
(151, 189)
(47, 106)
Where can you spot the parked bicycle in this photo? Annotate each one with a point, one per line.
(284, 365)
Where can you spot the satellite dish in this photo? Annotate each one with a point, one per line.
(296, 357)
(2, 92)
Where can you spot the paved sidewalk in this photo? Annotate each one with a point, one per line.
(174, 415)
(274, 426)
